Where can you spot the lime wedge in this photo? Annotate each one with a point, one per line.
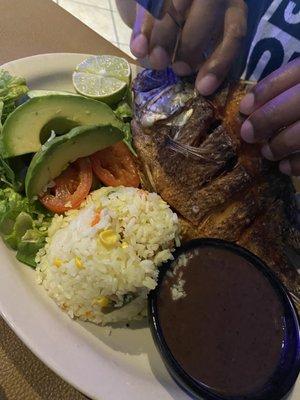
(102, 77)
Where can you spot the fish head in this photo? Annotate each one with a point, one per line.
(159, 95)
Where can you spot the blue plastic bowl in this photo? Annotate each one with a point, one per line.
(284, 377)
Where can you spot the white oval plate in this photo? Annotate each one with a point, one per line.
(121, 363)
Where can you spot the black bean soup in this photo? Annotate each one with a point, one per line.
(222, 320)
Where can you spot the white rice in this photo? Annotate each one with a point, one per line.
(78, 270)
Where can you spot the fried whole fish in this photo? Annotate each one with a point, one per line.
(190, 152)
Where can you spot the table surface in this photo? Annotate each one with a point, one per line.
(30, 27)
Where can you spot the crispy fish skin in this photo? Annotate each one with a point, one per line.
(219, 192)
(266, 238)
(185, 192)
(220, 186)
(195, 129)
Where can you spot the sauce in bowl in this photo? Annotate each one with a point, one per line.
(222, 321)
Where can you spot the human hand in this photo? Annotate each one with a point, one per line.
(273, 107)
(212, 28)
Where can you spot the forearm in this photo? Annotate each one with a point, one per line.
(127, 9)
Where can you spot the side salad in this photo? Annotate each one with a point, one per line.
(55, 148)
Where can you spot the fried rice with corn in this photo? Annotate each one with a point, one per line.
(101, 261)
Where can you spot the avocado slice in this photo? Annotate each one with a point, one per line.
(30, 125)
(55, 155)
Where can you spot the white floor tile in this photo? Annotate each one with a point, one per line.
(113, 4)
(100, 20)
(96, 3)
(123, 32)
(101, 16)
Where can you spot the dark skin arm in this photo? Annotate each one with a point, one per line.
(211, 38)
(273, 110)
(272, 106)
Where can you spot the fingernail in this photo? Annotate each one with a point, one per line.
(207, 85)
(159, 58)
(285, 167)
(267, 153)
(181, 68)
(247, 104)
(247, 132)
(139, 46)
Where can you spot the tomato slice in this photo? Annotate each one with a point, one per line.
(71, 187)
(115, 166)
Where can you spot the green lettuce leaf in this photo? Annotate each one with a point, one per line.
(1, 112)
(123, 111)
(128, 137)
(7, 175)
(23, 225)
(11, 89)
(32, 241)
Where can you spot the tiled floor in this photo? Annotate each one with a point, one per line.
(102, 16)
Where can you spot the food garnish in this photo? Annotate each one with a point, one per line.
(107, 270)
(115, 166)
(190, 150)
(35, 123)
(29, 126)
(103, 78)
(70, 188)
(48, 163)
(11, 89)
